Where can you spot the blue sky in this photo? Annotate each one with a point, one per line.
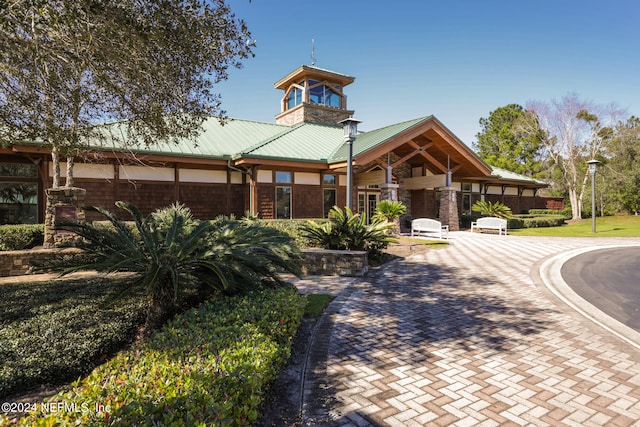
(457, 60)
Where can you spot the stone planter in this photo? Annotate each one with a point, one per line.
(325, 262)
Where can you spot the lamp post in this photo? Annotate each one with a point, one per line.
(593, 167)
(350, 127)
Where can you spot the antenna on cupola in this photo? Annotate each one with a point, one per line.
(313, 52)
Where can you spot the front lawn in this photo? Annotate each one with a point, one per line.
(608, 226)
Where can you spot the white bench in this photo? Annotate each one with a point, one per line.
(427, 225)
(491, 223)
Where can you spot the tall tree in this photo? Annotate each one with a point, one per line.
(621, 172)
(577, 130)
(67, 65)
(512, 139)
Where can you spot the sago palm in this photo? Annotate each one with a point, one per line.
(346, 230)
(172, 251)
(389, 210)
(496, 209)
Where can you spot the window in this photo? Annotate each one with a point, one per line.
(18, 193)
(466, 197)
(283, 202)
(294, 97)
(283, 177)
(19, 170)
(329, 197)
(329, 180)
(320, 93)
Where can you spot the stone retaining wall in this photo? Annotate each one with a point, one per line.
(17, 263)
(316, 261)
(324, 262)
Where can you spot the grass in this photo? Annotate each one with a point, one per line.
(421, 241)
(316, 304)
(608, 226)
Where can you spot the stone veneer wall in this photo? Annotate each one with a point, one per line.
(18, 263)
(63, 204)
(316, 261)
(449, 208)
(324, 262)
(313, 113)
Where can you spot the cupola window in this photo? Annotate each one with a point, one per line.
(320, 93)
(294, 97)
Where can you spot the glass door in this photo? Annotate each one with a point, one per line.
(372, 199)
(367, 203)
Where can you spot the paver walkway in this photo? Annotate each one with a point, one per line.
(461, 335)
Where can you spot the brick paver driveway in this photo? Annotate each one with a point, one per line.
(461, 335)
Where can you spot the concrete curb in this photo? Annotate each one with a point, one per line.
(549, 275)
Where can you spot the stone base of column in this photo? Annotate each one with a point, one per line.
(389, 192)
(449, 208)
(64, 204)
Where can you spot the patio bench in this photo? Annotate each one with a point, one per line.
(490, 223)
(427, 225)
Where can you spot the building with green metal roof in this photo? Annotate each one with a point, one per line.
(293, 168)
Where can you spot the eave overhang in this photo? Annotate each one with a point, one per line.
(314, 73)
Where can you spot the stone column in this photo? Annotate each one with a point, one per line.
(449, 208)
(64, 204)
(389, 192)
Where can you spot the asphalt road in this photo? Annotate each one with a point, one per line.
(609, 279)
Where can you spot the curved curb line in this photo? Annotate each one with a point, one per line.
(551, 277)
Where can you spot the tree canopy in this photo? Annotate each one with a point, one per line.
(621, 168)
(578, 131)
(512, 139)
(67, 65)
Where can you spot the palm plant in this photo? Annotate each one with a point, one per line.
(496, 209)
(348, 231)
(390, 210)
(171, 251)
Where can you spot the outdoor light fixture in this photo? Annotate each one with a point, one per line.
(593, 167)
(350, 127)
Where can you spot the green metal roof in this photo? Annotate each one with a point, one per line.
(366, 141)
(512, 176)
(303, 142)
(217, 141)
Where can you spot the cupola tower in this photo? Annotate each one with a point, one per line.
(312, 94)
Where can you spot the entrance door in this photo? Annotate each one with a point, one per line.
(367, 203)
(372, 199)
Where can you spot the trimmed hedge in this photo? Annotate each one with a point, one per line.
(566, 212)
(210, 366)
(21, 236)
(531, 221)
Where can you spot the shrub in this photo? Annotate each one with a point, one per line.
(292, 227)
(467, 219)
(348, 231)
(171, 252)
(532, 221)
(210, 366)
(544, 221)
(164, 218)
(53, 332)
(566, 212)
(515, 222)
(388, 210)
(22, 236)
(497, 209)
